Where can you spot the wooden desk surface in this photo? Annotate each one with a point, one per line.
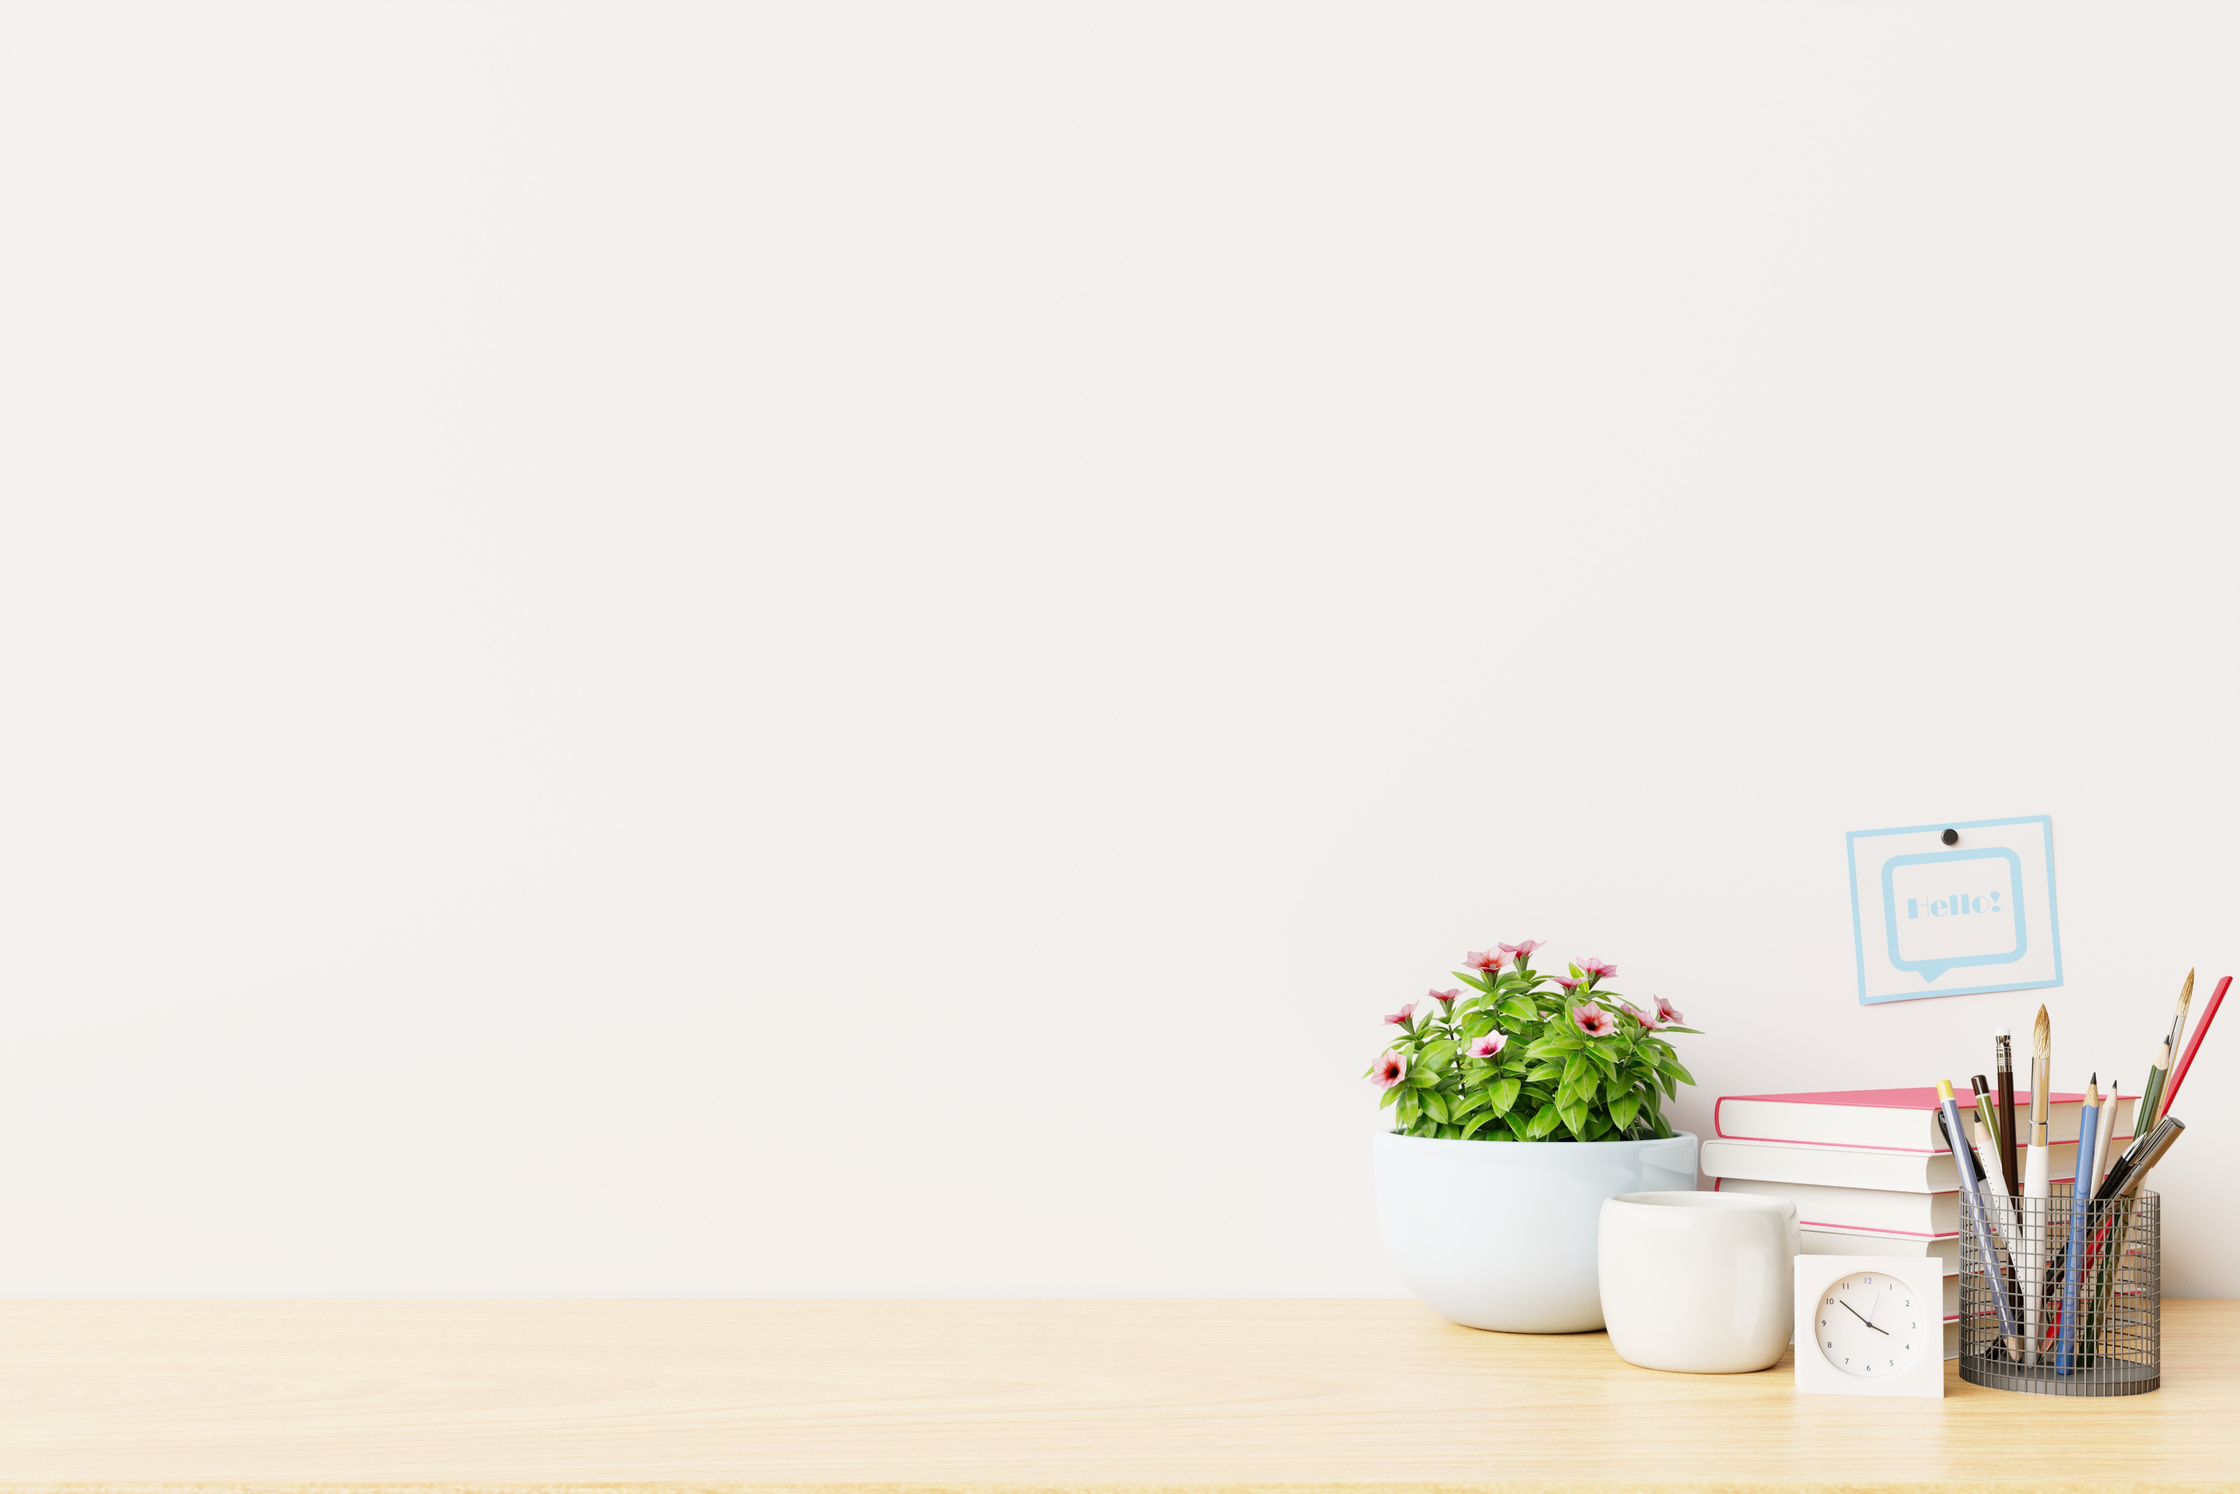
(278, 1393)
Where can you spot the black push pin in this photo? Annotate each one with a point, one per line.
(1951, 837)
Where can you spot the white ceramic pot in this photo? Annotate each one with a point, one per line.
(1698, 1282)
(1501, 1234)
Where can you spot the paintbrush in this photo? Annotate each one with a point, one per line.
(2177, 1036)
(2150, 1098)
(2200, 1031)
(2037, 1171)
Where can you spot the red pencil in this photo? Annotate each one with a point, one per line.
(2216, 998)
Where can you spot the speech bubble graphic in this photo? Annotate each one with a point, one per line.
(1942, 909)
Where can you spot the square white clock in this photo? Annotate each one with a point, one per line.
(1870, 1325)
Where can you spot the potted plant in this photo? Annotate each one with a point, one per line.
(1521, 1106)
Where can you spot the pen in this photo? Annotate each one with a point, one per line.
(1994, 1269)
(2165, 1137)
(2130, 1169)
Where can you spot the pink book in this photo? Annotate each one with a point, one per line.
(1891, 1119)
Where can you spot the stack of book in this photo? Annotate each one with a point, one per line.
(1868, 1170)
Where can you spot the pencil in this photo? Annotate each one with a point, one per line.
(2007, 1159)
(2073, 1248)
(1992, 1185)
(2103, 1148)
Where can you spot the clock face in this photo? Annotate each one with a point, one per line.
(1873, 1325)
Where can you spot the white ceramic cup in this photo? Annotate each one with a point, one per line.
(1698, 1282)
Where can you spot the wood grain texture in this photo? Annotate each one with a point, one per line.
(457, 1395)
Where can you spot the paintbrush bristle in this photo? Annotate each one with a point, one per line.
(2041, 1036)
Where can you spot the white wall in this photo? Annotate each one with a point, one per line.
(849, 650)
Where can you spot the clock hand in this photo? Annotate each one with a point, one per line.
(1847, 1307)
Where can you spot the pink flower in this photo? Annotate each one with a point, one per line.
(1565, 981)
(1594, 1021)
(1390, 1070)
(1598, 968)
(1667, 1012)
(1400, 1017)
(1488, 1045)
(1483, 959)
(1521, 951)
(1637, 1014)
(1449, 997)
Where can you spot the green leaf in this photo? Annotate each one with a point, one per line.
(1436, 1104)
(1624, 1108)
(1408, 1111)
(1471, 1129)
(1679, 1071)
(1390, 1096)
(1517, 1009)
(1502, 1096)
(1542, 1123)
(1574, 1119)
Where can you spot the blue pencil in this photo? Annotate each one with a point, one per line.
(2080, 1200)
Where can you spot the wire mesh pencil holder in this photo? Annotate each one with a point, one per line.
(2088, 1302)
